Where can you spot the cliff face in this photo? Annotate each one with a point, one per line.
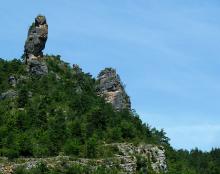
(111, 87)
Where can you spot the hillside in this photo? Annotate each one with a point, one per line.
(54, 118)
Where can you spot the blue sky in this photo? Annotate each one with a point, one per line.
(166, 52)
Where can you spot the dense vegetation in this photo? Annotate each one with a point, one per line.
(60, 113)
(194, 161)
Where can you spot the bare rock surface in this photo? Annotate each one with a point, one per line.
(111, 87)
(12, 81)
(34, 45)
(36, 67)
(37, 37)
(155, 155)
(8, 94)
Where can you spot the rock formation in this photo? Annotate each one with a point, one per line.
(37, 37)
(8, 94)
(125, 159)
(34, 45)
(154, 156)
(12, 81)
(111, 87)
(37, 67)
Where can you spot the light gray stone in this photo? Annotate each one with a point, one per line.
(111, 87)
(12, 80)
(34, 45)
(36, 40)
(36, 67)
(8, 95)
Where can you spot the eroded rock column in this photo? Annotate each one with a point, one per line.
(34, 45)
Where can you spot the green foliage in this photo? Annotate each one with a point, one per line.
(193, 162)
(141, 165)
(61, 113)
(72, 147)
(22, 97)
(91, 147)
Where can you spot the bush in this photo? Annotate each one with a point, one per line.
(91, 147)
(72, 147)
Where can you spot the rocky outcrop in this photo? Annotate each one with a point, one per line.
(8, 95)
(111, 87)
(34, 45)
(36, 67)
(126, 159)
(154, 155)
(12, 81)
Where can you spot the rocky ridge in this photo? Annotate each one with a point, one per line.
(126, 158)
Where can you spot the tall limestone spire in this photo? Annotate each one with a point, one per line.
(36, 40)
(34, 45)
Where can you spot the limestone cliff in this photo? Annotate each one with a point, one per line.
(111, 87)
